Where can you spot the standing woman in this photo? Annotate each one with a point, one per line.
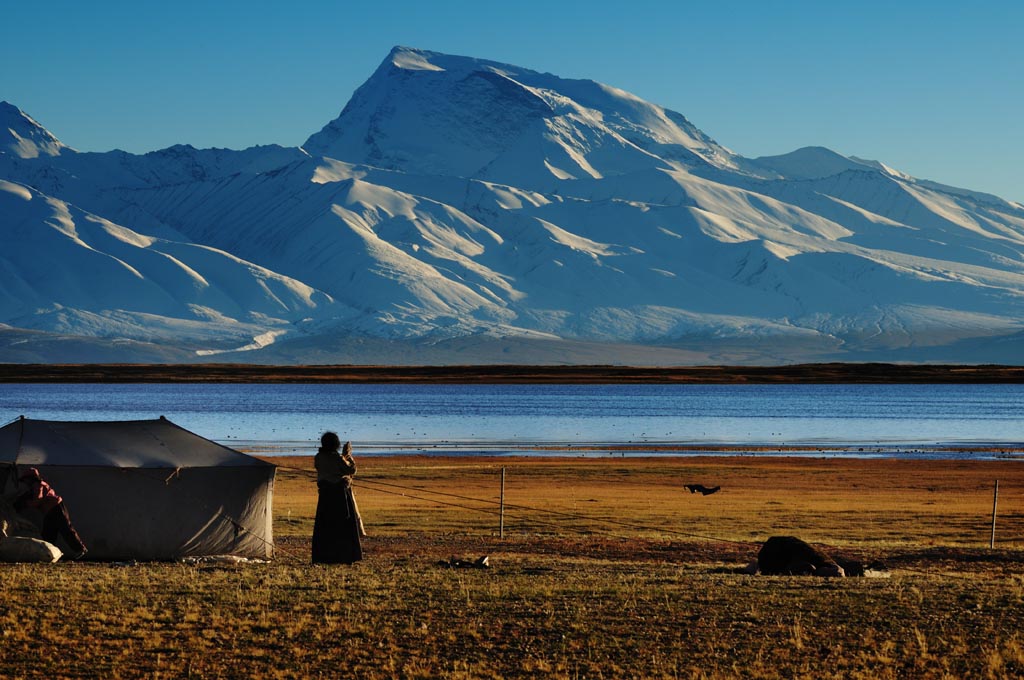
(336, 529)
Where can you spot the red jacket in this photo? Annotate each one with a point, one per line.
(39, 494)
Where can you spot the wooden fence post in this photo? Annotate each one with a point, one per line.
(995, 503)
(501, 507)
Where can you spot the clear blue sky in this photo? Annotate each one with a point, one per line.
(935, 89)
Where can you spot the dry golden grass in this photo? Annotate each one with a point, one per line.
(830, 500)
(587, 597)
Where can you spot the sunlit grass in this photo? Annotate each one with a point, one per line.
(593, 600)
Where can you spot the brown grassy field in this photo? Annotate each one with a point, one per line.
(608, 569)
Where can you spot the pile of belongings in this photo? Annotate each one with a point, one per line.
(20, 540)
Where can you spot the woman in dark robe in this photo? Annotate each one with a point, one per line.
(336, 529)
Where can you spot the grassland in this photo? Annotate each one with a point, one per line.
(608, 569)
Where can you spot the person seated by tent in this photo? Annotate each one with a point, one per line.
(41, 497)
(336, 529)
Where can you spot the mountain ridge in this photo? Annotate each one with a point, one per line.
(456, 198)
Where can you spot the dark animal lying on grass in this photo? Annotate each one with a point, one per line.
(460, 563)
(701, 489)
(788, 555)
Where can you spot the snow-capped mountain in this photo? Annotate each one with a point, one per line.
(23, 137)
(459, 210)
(72, 272)
(429, 113)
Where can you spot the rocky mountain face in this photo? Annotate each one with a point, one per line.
(464, 211)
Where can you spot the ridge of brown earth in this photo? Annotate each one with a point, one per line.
(869, 373)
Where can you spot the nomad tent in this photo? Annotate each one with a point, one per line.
(147, 489)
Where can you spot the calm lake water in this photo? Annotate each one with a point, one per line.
(880, 419)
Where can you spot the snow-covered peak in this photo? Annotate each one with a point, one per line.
(813, 162)
(459, 203)
(817, 162)
(23, 137)
(431, 113)
(411, 59)
(184, 162)
(878, 165)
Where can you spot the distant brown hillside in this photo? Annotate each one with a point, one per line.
(247, 373)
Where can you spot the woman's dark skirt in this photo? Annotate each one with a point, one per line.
(336, 529)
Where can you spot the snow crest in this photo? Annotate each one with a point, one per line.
(460, 209)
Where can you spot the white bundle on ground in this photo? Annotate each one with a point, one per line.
(25, 549)
(22, 548)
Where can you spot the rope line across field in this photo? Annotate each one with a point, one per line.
(376, 485)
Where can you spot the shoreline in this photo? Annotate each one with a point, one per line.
(483, 451)
(868, 373)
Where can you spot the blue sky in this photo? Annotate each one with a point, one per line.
(935, 89)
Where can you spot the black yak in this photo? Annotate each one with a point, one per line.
(788, 555)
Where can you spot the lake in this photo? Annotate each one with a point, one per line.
(903, 420)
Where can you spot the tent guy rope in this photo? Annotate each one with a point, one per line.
(375, 485)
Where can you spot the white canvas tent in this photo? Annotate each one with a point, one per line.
(148, 489)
